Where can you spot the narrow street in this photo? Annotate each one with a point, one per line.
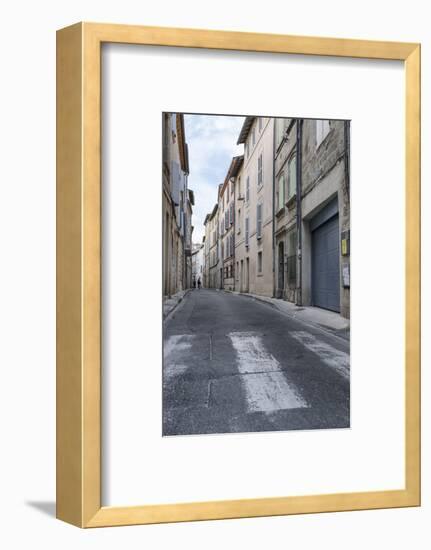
(234, 364)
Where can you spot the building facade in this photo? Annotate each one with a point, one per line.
(312, 213)
(213, 246)
(254, 207)
(198, 263)
(177, 203)
(281, 225)
(227, 224)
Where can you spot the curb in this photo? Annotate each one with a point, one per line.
(335, 332)
(166, 317)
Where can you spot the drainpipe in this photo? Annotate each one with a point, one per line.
(347, 157)
(273, 208)
(299, 123)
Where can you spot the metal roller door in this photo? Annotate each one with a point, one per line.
(326, 265)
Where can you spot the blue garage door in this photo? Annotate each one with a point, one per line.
(326, 265)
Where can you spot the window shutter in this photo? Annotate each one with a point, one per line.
(246, 231)
(248, 189)
(175, 182)
(260, 170)
(259, 221)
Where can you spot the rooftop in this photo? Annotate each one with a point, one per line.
(248, 122)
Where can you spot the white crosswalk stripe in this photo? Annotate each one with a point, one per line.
(334, 358)
(175, 351)
(264, 383)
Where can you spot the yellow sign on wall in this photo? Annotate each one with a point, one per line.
(344, 247)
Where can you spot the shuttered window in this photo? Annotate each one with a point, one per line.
(246, 231)
(175, 182)
(259, 170)
(232, 213)
(247, 189)
(259, 221)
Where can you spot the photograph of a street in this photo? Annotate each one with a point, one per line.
(256, 274)
(236, 364)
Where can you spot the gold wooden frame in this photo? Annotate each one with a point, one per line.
(78, 274)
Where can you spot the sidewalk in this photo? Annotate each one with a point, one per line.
(170, 303)
(316, 316)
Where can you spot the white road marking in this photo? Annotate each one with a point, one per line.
(177, 343)
(264, 383)
(173, 369)
(338, 360)
(175, 351)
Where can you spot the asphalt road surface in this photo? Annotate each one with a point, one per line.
(235, 364)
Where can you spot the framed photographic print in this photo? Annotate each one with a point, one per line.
(238, 275)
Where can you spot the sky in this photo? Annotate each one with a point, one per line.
(212, 144)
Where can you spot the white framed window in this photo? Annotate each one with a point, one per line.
(322, 130)
(260, 169)
(239, 220)
(259, 221)
(247, 189)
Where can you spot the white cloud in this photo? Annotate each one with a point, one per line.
(212, 144)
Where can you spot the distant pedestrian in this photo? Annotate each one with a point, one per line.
(199, 283)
